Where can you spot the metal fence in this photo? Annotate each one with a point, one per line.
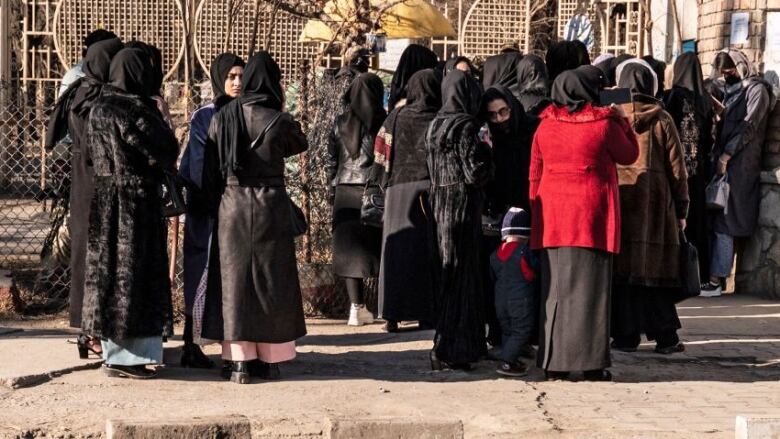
(30, 199)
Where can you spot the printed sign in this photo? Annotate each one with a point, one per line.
(740, 27)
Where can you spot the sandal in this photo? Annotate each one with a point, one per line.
(86, 344)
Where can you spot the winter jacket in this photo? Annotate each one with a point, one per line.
(574, 188)
(344, 169)
(653, 196)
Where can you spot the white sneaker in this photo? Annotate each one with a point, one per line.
(711, 290)
(359, 315)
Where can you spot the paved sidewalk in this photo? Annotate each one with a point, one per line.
(731, 367)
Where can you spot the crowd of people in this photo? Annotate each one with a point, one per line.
(517, 208)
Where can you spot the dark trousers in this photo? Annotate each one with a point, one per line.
(637, 310)
(516, 313)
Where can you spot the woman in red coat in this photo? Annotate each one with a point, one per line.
(576, 221)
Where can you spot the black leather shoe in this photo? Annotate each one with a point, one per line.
(227, 369)
(239, 374)
(391, 326)
(264, 371)
(554, 376)
(133, 372)
(192, 356)
(597, 375)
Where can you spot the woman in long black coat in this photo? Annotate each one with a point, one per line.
(460, 165)
(414, 59)
(127, 297)
(261, 305)
(356, 247)
(533, 84)
(73, 110)
(405, 282)
(690, 105)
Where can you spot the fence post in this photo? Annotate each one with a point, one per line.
(5, 74)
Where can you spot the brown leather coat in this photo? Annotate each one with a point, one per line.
(653, 196)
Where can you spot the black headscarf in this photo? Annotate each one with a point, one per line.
(80, 95)
(156, 74)
(501, 70)
(609, 66)
(413, 59)
(532, 74)
(566, 55)
(261, 86)
(688, 76)
(423, 92)
(723, 61)
(511, 152)
(659, 67)
(460, 104)
(131, 72)
(365, 112)
(449, 66)
(575, 88)
(220, 68)
(638, 78)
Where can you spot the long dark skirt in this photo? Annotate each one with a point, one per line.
(460, 312)
(574, 324)
(640, 310)
(356, 248)
(82, 188)
(699, 230)
(405, 281)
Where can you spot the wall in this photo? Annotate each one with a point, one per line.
(715, 27)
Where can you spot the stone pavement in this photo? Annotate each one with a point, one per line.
(731, 368)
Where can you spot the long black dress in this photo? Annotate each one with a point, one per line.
(128, 292)
(689, 104)
(405, 280)
(244, 175)
(460, 165)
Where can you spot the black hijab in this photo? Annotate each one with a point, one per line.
(565, 55)
(460, 104)
(532, 74)
(516, 117)
(365, 112)
(413, 59)
(501, 70)
(638, 78)
(260, 86)
(688, 76)
(423, 92)
(575, 88)
(131, 72)
(156, 74)
(449, 66)
(220, 68)
(609, 67)
(659, 67)
(80, 95)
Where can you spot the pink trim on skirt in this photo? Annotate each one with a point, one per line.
(265, 352)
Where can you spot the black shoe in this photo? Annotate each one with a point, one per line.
(512, 370)
(139, 372)
(438, 365)
(239, 373)
(391, 326)
(425, 326)
(192, 356)
(264, 371)
(673, 349)
(617, 347)
(86, 344)
(597, 375)
(555, 376)
(227, 369)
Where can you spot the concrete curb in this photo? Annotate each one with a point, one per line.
(757, 427)
(392, 429)
(32, 380)
(224, 427)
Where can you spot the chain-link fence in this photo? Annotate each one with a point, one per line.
(32, 207)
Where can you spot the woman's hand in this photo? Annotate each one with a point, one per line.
(723, 164)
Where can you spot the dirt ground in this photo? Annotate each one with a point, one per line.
(731, 367)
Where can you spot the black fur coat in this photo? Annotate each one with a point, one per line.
(128, 292)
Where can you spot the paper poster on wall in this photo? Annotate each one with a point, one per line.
(393, 50)
(772, 51)
(740, 27)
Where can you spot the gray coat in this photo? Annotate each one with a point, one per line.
(254, 294)
(741, 134)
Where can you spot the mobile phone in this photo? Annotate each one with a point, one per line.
(617, 96)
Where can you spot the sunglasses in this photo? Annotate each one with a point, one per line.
(502, 113)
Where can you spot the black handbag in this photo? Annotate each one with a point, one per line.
(372, 209)
(689, 270)
(299, 224)
(171, 194)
